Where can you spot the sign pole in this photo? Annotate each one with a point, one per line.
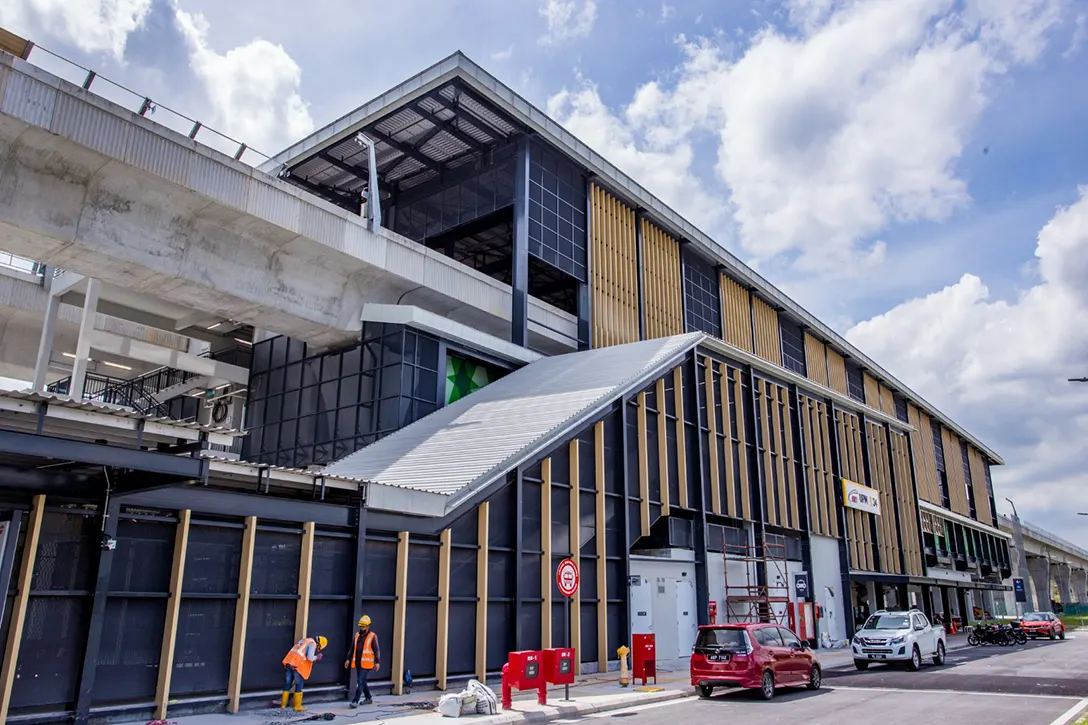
(566, 637)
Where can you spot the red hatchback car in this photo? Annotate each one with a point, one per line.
(1042, 624)
(757, 656)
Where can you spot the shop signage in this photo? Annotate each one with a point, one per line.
(859, 497)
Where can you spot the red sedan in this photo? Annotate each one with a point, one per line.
(757, 656)
(1042, 624)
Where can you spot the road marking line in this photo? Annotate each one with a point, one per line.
(953, 692)
(1071, 713)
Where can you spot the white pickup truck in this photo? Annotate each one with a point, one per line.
(899, 637)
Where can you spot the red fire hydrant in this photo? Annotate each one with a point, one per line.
(525, 675)
(507, 691)
(712, 612)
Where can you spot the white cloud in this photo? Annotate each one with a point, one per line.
(853, 120)
(567, 20)
(505, 54)
(93, 26)
(253, 88)
(1001, 367)
(667, 12)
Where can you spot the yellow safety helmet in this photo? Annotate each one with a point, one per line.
(364, 621)
(322, 642)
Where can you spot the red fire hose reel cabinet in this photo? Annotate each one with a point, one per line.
(524, 671)
(559, 666)
(644, 658)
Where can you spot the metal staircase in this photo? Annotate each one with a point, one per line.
(150, 393)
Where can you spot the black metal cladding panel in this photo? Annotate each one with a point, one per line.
(333, 566)
(615, 579)
(652, 457)
(502, 519)
(560, 468)
(530, 624)
(793, 346)
(270, 633)
(501, 619)
(530, 514)
(128, 658)
(616, 636)
(381, 568)
(422, 570)
(702, 301)
(530, 576)
(276, 556)
(613, 450)
(560, 631)
(51, 653)
(715, 540)
(587, 583)
(419, 646)
(501, 574)
(329, 619)
(462, 572)
(144, 556)
(212, 560)
(673, 463)
(587, 523)
(67, 553)
(557, 211)
(587, 469)
(463, 530)
(462, 638)
(203, 649)
(561, 520)
(588, 652)
(613, 524)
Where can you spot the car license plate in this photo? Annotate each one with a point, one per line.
(718, 658)
(879, 657)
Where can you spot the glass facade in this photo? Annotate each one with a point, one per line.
(557, 211)
(855, 383)
(465, 375)
(793, 346)
(311, 410)
(702, 301)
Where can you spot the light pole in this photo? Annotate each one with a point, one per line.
(1022, 558)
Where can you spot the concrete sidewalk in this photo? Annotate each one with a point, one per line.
(591, 693)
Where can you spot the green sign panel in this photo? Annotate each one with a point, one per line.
(465, 376)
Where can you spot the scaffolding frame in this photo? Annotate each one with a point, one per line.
(756, 601)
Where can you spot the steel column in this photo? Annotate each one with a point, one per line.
(519, 279)
(702, 577)
(98, 614)
(840, 512)
(641, 276)
(519, 507)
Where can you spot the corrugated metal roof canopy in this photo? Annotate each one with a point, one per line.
(444, 129)
(470, 443)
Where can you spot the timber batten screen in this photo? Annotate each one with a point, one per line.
(614, 270)
(663, 283)
(736, 314)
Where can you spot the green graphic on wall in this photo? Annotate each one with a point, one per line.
(465, 376)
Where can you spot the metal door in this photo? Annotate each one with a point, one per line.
(686, 621)
(642, 605)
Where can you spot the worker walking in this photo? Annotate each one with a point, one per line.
(297, 666)
(365, 657)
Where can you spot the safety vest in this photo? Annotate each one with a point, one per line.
(366, 657)
(297, 657)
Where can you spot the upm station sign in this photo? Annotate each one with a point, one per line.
(566, 576)
(859, 497)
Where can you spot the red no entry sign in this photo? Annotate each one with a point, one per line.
(566, 576)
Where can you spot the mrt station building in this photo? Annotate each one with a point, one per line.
(624, 392)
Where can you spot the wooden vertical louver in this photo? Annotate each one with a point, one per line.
(614, 270)
(662, 282)
(819, 478)
(779, 456)
(858, 533)
(887, 401)
(836, 371)
(881, 476)
(768, 338)
(925, 462)
(872, 391)
(953, 468)
(816, 360)
(978, 484)
(736, 314)
(908, 505)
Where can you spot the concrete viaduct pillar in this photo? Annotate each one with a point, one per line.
(1061, 573)
(1039, 568)
(1080, 586)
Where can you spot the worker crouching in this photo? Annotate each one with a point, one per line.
(297, 666)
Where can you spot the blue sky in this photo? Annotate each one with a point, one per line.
(908, 170)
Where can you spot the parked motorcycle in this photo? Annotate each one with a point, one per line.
(1003, 635)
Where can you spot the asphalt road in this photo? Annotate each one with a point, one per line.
(1037, 684)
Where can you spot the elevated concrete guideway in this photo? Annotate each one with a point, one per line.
(88, 186)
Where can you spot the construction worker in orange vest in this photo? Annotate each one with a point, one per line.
(297, 665)
(365, 656)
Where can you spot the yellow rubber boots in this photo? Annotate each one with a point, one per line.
(298, 703)
(283, 700)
